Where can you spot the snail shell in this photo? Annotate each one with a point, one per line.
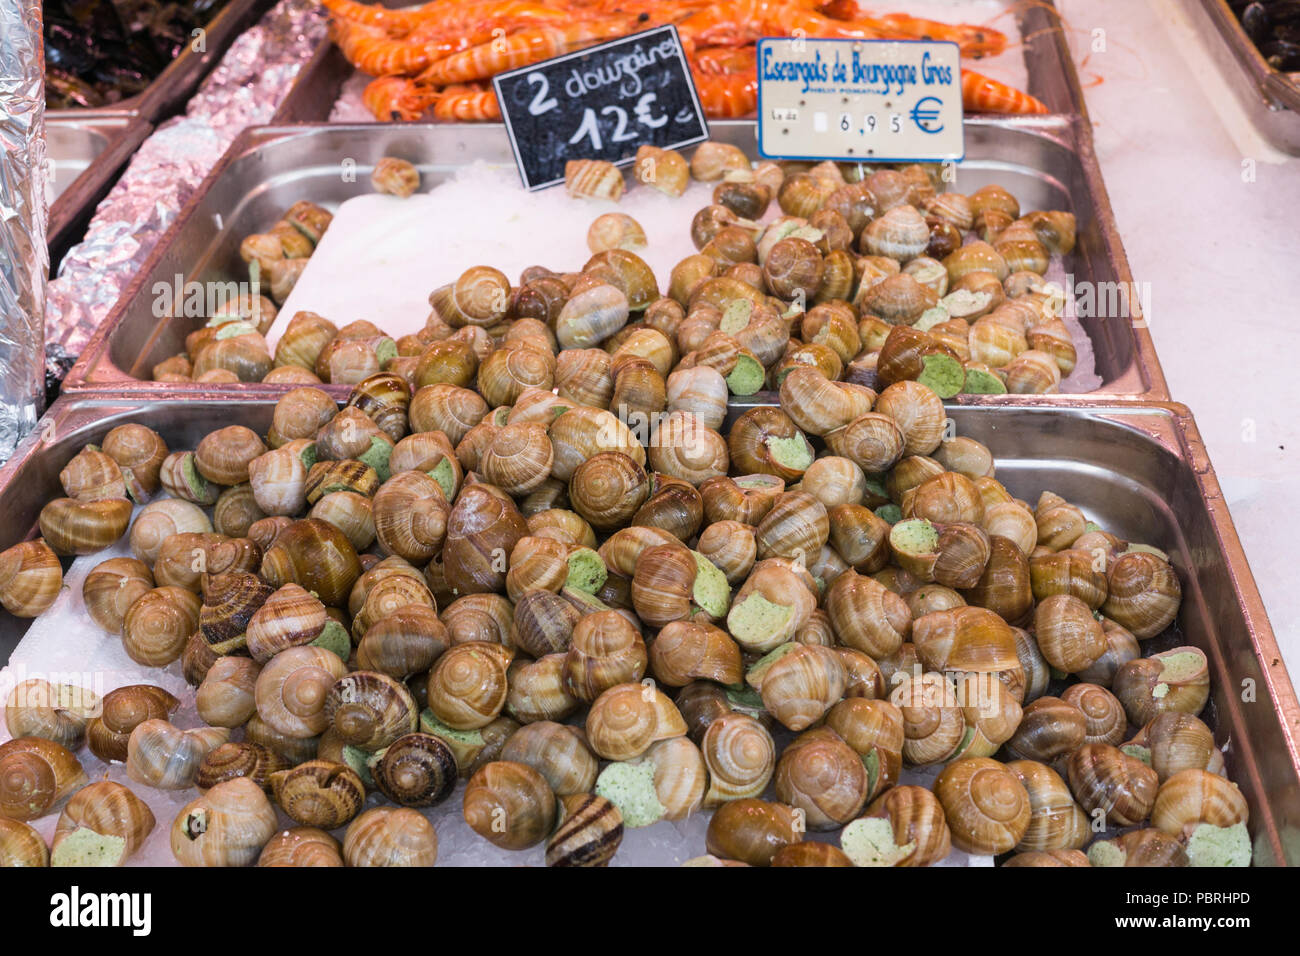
(607, 489)
(538, 691)
(810, 853)
(1176, 742)
(582, 433)
(1192, 798)
(1070, 638)
(483, 527)
(823, 776)
(70, 526)
(30, 578)
(92, 475)
(487, 618)
(139, 452)
(626, 719)
(510, 805)
(685, 651)
(606, 649)
(388, 836)
(405, 642)
(1004, 586)
(319, 793)
(799, 683)
(293, 687)
(246, 759)
(667, 782)
(543, 621)
(103, 824)
(112, 587)
(1056, 822)
(1049, 858)
(181, 478)
(21, 845)
(752, 831)
(796, 528)
(987, 808)
(1174, 680)
(1107, 779)
(556, 751)
(416, 770)
(664, 584)
(1143, 594)
(167, 758)
(411, 514)
(158, 624)
(371, 710)
(1121, 647)
(229, 603)
(301, 846)
(227, 826)
(933, 722)
(771, 607)
(1050, 728)
(294, 750)
(740, 756)
(225, 698)
(159, 520)
(278, 478)
(590, 831)
(866, 616)
(317, 556)
(969, 640)
(1071, 571)
(874, 729)
(1106, 720)
(36, 775)
(57, 712)
(905, 826)
(1145, 848)
(387, 588)
(730, 547)
(468, 685)
(289, 617)
(121, 711)
(223, 456)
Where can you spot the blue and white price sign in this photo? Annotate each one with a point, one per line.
(865, 100)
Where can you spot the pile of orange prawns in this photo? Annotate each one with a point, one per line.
(441, 56)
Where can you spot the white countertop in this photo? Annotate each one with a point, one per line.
(1220, 254)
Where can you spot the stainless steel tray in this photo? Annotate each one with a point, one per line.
(172, 88)
(1046, 161)
(1270, 97)
(85, 153)
(1050, 67)
(1139, 469)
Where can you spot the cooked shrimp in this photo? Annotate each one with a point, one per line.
(521, 48)
(726, 79)
(982, 94)
(466, 103)
(396, 98)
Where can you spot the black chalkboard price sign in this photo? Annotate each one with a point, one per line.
(604, 102)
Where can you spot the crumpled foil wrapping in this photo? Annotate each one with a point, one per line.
(24, 258)
(243, 90)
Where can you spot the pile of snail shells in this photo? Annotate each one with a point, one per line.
(871, 280)
(595, 633)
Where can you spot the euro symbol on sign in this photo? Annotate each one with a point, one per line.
(925, 113)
